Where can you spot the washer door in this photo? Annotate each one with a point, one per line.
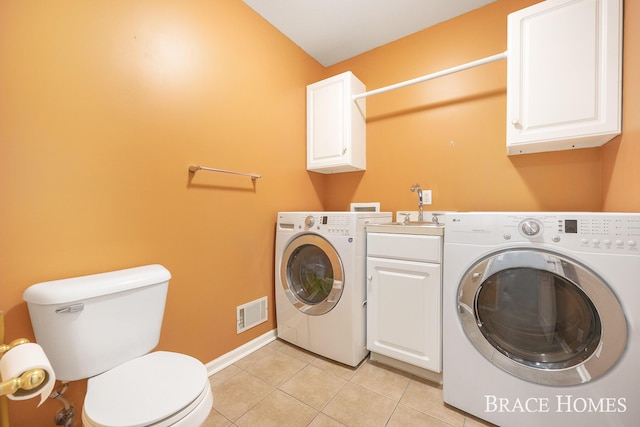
(542, 317)
(311, 274)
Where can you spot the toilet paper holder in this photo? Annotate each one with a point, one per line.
(29, 379)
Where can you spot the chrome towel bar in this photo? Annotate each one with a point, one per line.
(196, 168)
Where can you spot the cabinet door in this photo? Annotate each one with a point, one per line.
(404, 311)
(564, 75)
(336, 125)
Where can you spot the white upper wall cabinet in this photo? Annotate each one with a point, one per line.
(336, 125)
(564, 75)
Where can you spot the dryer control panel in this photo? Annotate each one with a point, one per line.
(591, 232)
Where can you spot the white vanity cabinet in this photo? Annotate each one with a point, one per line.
(336, 125)
(404, 294)
(564, 75)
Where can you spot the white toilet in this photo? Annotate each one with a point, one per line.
(103, 327)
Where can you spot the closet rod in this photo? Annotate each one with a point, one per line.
(451, 70)
(196, 168)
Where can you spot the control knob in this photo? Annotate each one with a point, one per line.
(309, 221)
(530, 227)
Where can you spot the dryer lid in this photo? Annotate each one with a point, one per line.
(144, 390)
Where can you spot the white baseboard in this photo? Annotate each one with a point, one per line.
(234, 355)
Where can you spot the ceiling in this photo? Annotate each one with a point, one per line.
(334, 30)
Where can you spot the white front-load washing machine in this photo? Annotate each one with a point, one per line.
(541, 318)
(320, 287)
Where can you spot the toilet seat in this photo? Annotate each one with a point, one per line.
(158, 389)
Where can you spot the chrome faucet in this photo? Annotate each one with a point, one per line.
(416, 187)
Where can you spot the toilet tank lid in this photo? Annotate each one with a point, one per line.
(84, 287)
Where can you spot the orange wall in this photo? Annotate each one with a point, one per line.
(410, 130)
(620, 159)
(103, 107)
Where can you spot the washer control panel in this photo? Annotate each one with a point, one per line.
(591, 232)
(329, 223)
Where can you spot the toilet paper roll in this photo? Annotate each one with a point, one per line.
(22, 358)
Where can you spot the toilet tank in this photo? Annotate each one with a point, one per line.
(90, 324)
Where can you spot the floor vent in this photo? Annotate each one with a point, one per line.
(251, 314)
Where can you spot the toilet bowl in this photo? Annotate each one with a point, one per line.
(102, 328)
(158, 389)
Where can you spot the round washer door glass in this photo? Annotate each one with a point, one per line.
(542, 317)
(311, 274)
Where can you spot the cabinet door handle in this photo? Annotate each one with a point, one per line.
(344, 151)
(369, 278)
(515, 122)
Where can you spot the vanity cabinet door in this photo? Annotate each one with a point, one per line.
(404, 311)
(564, 75)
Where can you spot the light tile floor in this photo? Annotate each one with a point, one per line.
(283, 385)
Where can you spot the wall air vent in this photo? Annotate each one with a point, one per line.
(251, 314)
